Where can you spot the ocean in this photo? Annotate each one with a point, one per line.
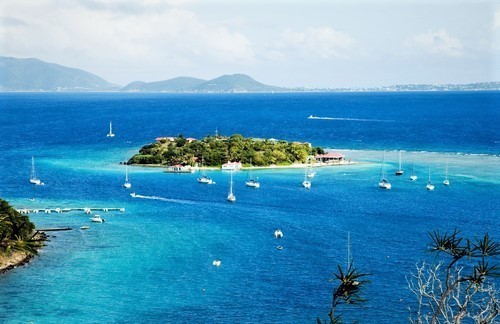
(153, 262)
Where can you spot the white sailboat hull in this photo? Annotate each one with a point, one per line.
(253, 184)
(384, 185)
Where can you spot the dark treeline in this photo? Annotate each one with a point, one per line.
(16, 231)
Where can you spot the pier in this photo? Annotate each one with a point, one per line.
(86, 210)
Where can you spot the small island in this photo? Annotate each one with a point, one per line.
(214, 151)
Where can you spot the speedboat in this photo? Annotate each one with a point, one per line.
(97, 219)
(84, 227)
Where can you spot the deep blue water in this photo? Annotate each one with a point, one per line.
(153, 263)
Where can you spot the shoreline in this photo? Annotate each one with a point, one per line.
(18, 259)
(291, 166)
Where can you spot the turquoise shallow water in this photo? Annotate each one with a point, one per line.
(153, 262)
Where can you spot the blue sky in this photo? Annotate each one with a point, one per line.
(285, 43)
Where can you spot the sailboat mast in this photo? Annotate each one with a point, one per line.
(429, 173)
(399, 160)
(33, 173)
(348, 249)
(382, 166)
(231, 184)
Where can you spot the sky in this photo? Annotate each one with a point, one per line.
(318, 44)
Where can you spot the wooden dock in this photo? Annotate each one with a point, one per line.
(86, 210)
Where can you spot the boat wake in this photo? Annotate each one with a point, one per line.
(173, 200)
(351, 119)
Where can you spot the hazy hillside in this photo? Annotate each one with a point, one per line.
(34, 75)
(172, 85)
(225, 83)
(235, 83)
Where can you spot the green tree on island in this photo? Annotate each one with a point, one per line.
(16, 232)
(217, 150)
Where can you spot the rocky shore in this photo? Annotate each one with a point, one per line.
(18, 258)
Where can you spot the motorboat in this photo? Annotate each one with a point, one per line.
(97, 219)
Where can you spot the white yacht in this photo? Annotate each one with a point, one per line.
(413, 177)
(33, 178)
(231, 197)
(429, 186)
(110, 134)
(204, 179)
(306, 183)
(446, 182)
(399, 171)
(278, 233)
(383, 183)
(251, 182)
(97, 219)
(127, 184)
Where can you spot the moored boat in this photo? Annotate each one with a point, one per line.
(33, 178)
(383, 183)
(231, 197)
(399, 171)
(110, 134)
(97, 219)
(429, 186)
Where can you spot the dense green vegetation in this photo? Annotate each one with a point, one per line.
(16, 231)
(217, 150)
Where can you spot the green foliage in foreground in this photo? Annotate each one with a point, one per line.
(16, 231)
(217, 150)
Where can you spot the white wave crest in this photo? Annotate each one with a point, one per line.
(351, 119)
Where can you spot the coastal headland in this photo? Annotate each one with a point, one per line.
(19, 241)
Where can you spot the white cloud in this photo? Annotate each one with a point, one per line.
(436, 42)
(496, 20)
(107, 35)
(323, 42)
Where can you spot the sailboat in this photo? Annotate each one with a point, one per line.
(231, 197)
(383, 183)
(204, 179)
(413, 177)
(33, 178)
(446, 182)
(127, 184)
(306, 183)
(110, 134)
(311, 173)
(429, 186)
(399, 171)
(251, 182)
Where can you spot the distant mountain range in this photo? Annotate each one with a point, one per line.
(32, 74)
(225, 83)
